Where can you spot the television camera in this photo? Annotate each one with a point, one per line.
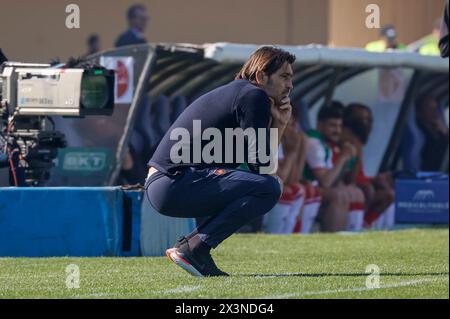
(30, 94)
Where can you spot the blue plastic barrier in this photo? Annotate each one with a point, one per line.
(75, 221)
(83, 221)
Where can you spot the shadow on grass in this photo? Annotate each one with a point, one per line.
(393, 274)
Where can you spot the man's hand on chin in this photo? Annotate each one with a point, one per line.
(281, 113)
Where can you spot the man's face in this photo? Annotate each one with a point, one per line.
(365, 117)
(361, 123)
(140, 20)
(279, 84)
(331, 129)
(436, 34)
(391, 43)
(95, 46)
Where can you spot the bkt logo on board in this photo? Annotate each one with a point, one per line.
(78, 161)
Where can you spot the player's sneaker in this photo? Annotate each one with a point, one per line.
(196, 263)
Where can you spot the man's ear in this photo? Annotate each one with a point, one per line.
(261, 78)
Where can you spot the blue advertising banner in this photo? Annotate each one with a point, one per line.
(422, 200)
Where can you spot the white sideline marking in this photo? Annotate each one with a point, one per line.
(180, 290)
(177, 290)
(275, 276)
(325, 292)
(99, 294)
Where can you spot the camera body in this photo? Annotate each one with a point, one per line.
(29, 95)
(41, 90)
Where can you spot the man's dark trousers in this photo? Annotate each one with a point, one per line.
(230, 197)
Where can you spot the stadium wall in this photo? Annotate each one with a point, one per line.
(35, 31)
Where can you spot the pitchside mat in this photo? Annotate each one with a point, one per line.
(410, 263)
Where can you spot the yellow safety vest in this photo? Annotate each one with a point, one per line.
(430, 49)
(380, 46)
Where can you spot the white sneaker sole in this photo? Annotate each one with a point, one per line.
(179, 261)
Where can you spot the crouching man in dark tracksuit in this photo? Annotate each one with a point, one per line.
(191, 185)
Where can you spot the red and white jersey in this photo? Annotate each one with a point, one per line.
(317, 156)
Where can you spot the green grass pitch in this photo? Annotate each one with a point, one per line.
(412, 264)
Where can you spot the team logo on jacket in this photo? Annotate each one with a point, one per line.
(219, 171)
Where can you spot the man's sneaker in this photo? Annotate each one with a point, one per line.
(180, 241)
(195, 263)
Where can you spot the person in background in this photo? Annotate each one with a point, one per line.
(388, 40)
(355, 217)
(431, 123)
(93, 44)
(283, 217)
(378, 191)
(320, 169)
(138, 19)
(443, 42)
(430, 44)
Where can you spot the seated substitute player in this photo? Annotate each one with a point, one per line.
(336, 196)
(378, 191)
(258, 99)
